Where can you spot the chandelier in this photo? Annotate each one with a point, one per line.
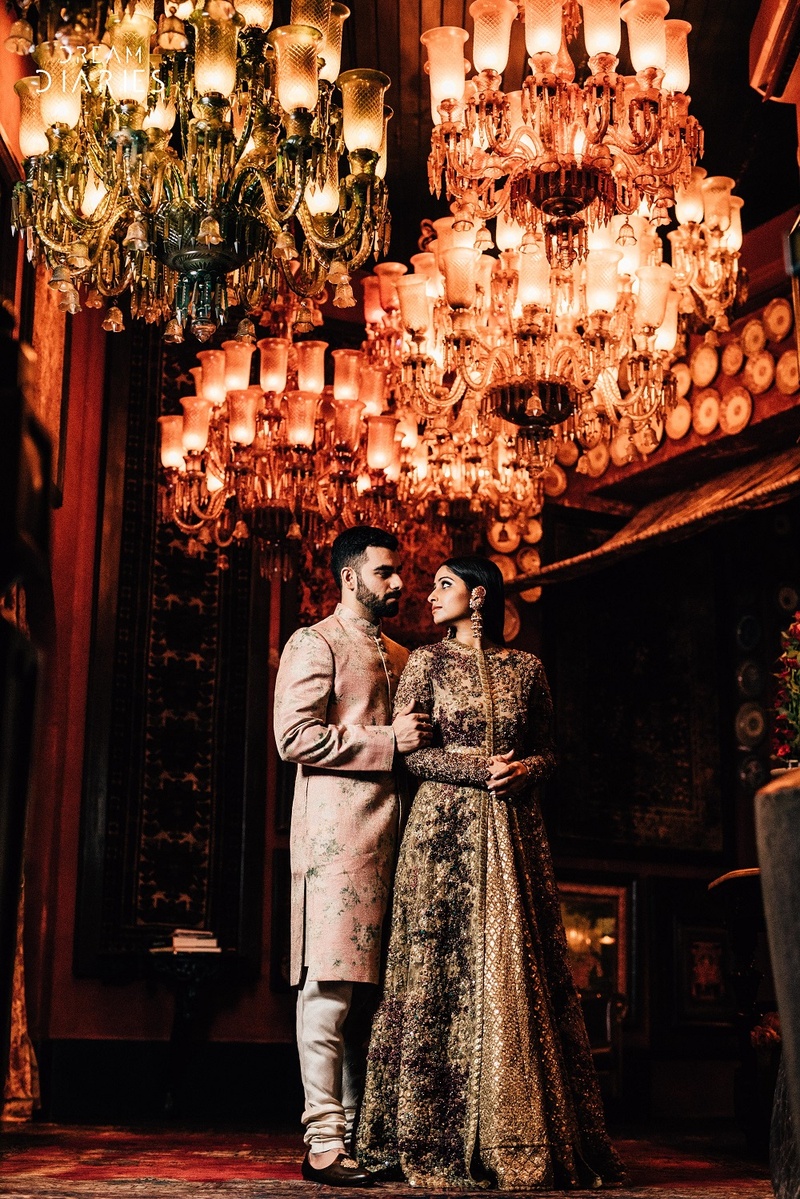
(558, 156)
(705, 249)
(199, 162)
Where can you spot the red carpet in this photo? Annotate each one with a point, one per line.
(50, 1162)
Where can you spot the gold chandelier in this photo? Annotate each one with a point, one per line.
(200, 162)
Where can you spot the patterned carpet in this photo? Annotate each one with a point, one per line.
(52, 1162)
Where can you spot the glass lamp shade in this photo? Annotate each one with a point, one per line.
(347, 366)
(32, 136)
(372, 390)
(362, 108)
(733, 238)
(161, 116)
(316, 13)
(425, 264)
(676, 75)
(388, 273)
(128, 63)
(196, 414)
(647, 39)
(602, 280)
(331, 50)
(237, 364)
(215, 54)
(491, 34)
(324, 200)
(383, 154)
(296, 50)
(667, 332)
(301, 414)
(347, 424)
(651, 302)
(414, 311)
(373, 310)
(543, 26)
(717, 201)
(59, 85)
(380, 441)
(171, 428)
(460, 265)
(508, 233)
(533, 286)
(93, 194)
(601, 28)
(242, 408)
(311, 366)
(257, 13)
(445, 47)
(274, 363)
(689, 199)
(212, 381)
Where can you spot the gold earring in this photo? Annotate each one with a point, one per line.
(476, 601)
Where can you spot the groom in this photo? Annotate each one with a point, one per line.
(333, 717)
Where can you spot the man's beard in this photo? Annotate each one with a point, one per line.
(377, 606)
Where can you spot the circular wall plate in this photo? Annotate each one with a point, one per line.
(683, 377)
(735, 410)
(705, 412)
(778, 319)
(567, 453)
(753, 337)
(554, 481)
(759, 372)
(732, 358)
(704, 365)
(750, 679)
(787, 375)
(532, 533)
(528, 560)
(512, 623)
(748, 632)
(597, 460)
(679, 420)
(752, 772)
(505, 565)
(503, 536)
(531, 595)
(750, 724)
(788, 599)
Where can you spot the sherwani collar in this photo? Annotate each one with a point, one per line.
(366, 626)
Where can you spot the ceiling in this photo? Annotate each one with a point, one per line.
(751, 140)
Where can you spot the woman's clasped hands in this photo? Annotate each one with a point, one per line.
(506, 777)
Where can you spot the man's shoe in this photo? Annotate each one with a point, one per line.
(344, 1172)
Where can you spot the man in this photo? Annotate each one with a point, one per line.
(333, 717)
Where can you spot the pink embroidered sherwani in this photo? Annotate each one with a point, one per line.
(333, 714)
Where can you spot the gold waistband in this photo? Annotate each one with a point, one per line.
(474, 751)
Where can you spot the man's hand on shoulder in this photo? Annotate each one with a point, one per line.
(412, 730)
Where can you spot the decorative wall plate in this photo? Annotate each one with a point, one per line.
(503, 536)
(512, 623)
(705, 412)
(788, 598)
(754, 337)
(528, 560)
(759, 372)
(750, 679)
(735, 410)
(597, 460)
(532, 533)
(778, 319)
(567, 453)
(554, 481)
(505, 565)
(732, 358)
(683, 377)
(750, 724)
(679, 420)
(748, 632)
(531, 595)
(752, 772)
(704, 365)
(787, 375)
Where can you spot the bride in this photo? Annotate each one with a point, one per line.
(479, 1068)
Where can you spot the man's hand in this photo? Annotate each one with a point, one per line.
(506, 777)
(412, 730)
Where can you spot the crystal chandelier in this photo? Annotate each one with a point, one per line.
(705, 248)
(200, 162)
(557, 156)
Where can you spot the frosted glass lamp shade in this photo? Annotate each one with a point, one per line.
(128, 63)
(311, 366)
(256, 13)
(651, 302)
(196, 413)
(237, 364)
(32, 136)
(324, 200)
(171, 428)
(383, 153)
(372, 390)
(460, 266)
(508, 233)
(373, 309)
(414, 311)
(380, 441)
(347, 366)
(347, 424)
(676, 75)
(647, 39)
(533, 286)
(602, 280)
(212, 380)
(733, 238)
(689, 199)
(296, 50)
(242, 407)
(316, 13)
(543, 26)
(93, 195)
(491, 34)
(445, 46)
(362, 108)
(601, 28)
(717, 201)
(667, 332)
(161, 116)
(331, 49)
(59, 85)
(425, 264)
(388, 273)
(274, 363)
(301, 414)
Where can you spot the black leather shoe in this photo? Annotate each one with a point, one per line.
(344, 1172)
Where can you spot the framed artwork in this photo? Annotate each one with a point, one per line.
(596, 924)
(703, 991)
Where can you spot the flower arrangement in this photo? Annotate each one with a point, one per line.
(786, 731)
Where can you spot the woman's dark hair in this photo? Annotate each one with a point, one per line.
(350, 547)
(480, 572)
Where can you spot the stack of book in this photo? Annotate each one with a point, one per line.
(188, 940)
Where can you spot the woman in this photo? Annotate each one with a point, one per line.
(479, 1066)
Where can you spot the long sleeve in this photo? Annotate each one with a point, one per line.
(303, 691)
(435, 763)
(542, 763)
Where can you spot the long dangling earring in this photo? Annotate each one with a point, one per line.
(476, 601)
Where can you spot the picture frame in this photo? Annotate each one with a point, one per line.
(704, 995)
(596, 918)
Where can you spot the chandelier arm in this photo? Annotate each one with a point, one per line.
(151, 206)
(86, 223)
(494, 356)
(184, 525)
(672, 163)
(112, 292)
(215, 505)
(354, 218)
(293, 282)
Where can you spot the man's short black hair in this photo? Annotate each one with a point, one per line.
(350, 547)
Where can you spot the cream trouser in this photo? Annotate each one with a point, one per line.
(333, 1022)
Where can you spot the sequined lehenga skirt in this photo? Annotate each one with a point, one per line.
(479, 1065)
